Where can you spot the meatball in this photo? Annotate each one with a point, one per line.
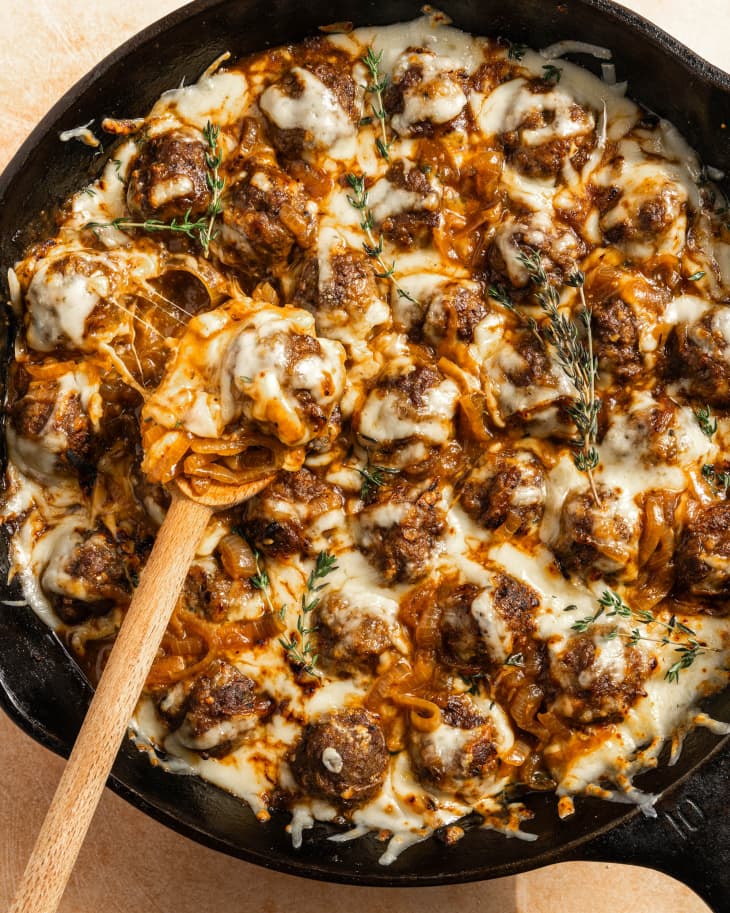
(703, 556)
(616, 338)
(462, 645)
(310, 109)
(462, 749)
(210, 592)
(268, 218)
(344, 299)
(525, 379)
(559, 245)
(506, 489)
(50, 430)
(294, 514)
(399, 529)
(405, 206)
(597, 678)
(219, 712)
(698, 357)
(596, 539)
(648, 215)
(453, 313)
(409, 413)
(341, 757)
(85, 575)
(169, 177)
(354, 628)
(425, 95)
(556, 130)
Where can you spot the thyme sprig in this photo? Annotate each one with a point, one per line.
(552, 73)
(708, 424)
(299, 646)
(200, 229)
(375, 88)
(719, 482)
(373, 477)
(261, 582)
(611, 605)
(372, 247)
(216, 184)
(573, 345)
(517, 51)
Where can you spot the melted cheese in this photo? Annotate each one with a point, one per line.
(276, 369)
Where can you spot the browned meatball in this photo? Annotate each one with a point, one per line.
(329, 82)
(210, 592)
(506, 488)
(267, 218)
(341, 757)
(453, 313)
(55, 424)
(703, 556)
(698, 357)
(353, 636)
(596, 539)
(85, 576)
(347, 302)
(218, 712)
(169, 177)
(408, 416)
(398, 530)
(462, 645)
(278, 522)
(413, 227)
(460, 750)
(597, 677)
(616, 337)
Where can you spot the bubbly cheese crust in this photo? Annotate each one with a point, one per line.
(406, 626)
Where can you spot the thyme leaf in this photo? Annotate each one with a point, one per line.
(200, 229)
(573, 345)
(708, 424)
(376, 87)
(516, 51)
(679, 637)
(373, 478)
(373, 247)
(300, 647)
(719, 482)
(552, 73)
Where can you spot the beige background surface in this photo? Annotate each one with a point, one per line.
(130, 862)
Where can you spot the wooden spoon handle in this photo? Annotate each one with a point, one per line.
(85, 775)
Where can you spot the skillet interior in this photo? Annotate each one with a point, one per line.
(42, 689)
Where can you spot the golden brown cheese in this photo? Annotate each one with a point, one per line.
(371, 264)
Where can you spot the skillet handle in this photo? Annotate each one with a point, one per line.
(689, 839)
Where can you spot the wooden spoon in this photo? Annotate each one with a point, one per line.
(82, 783)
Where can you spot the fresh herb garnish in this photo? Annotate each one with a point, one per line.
(373, 248)
(719, 482)
(695, 276)
(708, 424)
(517, 51)
(260, 581)
(200, 229)
(515, 659)
(300, 648)
(574, 351)
(552, 73)
(373, 477)
(611, 605)
(376, 88)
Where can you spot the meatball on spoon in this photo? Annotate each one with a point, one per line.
(249, 387)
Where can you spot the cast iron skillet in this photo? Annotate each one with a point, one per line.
(40, 686)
